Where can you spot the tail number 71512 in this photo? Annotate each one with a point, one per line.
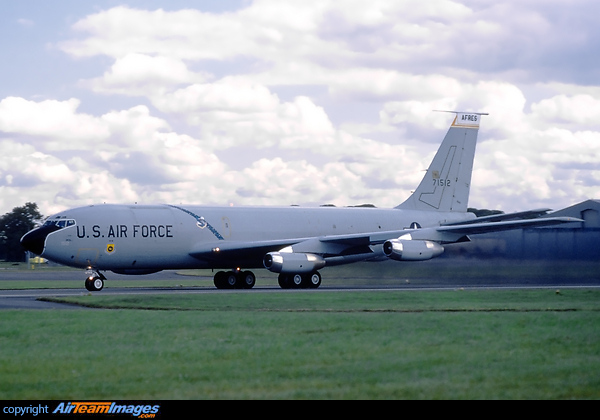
(441, 182)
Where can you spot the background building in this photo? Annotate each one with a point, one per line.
(573, 241)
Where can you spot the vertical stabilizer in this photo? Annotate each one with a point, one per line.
(445, 186)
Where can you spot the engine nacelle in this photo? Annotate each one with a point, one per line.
(409, 250)
(292, 262)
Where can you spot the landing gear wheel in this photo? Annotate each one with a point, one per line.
(220, 280)
(94, 284)
(235, 280)
(231, 280)
(313, 280)
(297, 281)
(247, 279)
(283, 281)
(94, 281)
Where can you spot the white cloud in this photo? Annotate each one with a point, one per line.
(537, 167)
(235, 112)
(133, 129)
(30, 175)
(490, 37)
(21, 164)
(230, 94)
(274, 181)
(96, 187)
(143, 75)
(51, 118)
(580, 109)
(137, 158)
(186, 34)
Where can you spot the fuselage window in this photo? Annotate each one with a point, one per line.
(60, 223)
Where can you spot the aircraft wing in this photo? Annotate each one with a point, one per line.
(228, 250)
(251, 253)
(338, 249)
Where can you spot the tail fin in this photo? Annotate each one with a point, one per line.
(446, 185)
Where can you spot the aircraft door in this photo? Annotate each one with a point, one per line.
(87, 256)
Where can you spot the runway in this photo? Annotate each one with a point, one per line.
(27, 299)
(42, 281)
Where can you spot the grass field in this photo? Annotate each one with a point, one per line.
(465, 344)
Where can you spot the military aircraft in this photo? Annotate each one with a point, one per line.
(295, 242)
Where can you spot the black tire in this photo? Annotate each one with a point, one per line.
(283, 281)
(220, 281)
(231, 280)
(94, 284)
(313, 280)
(247, 279)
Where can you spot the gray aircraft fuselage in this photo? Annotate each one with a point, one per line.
(135, 238)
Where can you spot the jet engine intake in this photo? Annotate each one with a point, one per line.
(292, 262)
(409, 250)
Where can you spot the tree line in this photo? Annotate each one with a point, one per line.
(15, 224)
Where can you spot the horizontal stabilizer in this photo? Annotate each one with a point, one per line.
(502, 217)
(477, 228)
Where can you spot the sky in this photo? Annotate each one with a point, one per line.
(304, 102)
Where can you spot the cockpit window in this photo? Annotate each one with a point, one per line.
(61, 223)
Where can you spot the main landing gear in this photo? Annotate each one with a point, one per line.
(235, 279)
(94, 281)
(300, 281)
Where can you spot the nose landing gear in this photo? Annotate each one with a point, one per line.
(94, 281)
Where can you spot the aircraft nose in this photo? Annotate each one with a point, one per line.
(35, 239)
